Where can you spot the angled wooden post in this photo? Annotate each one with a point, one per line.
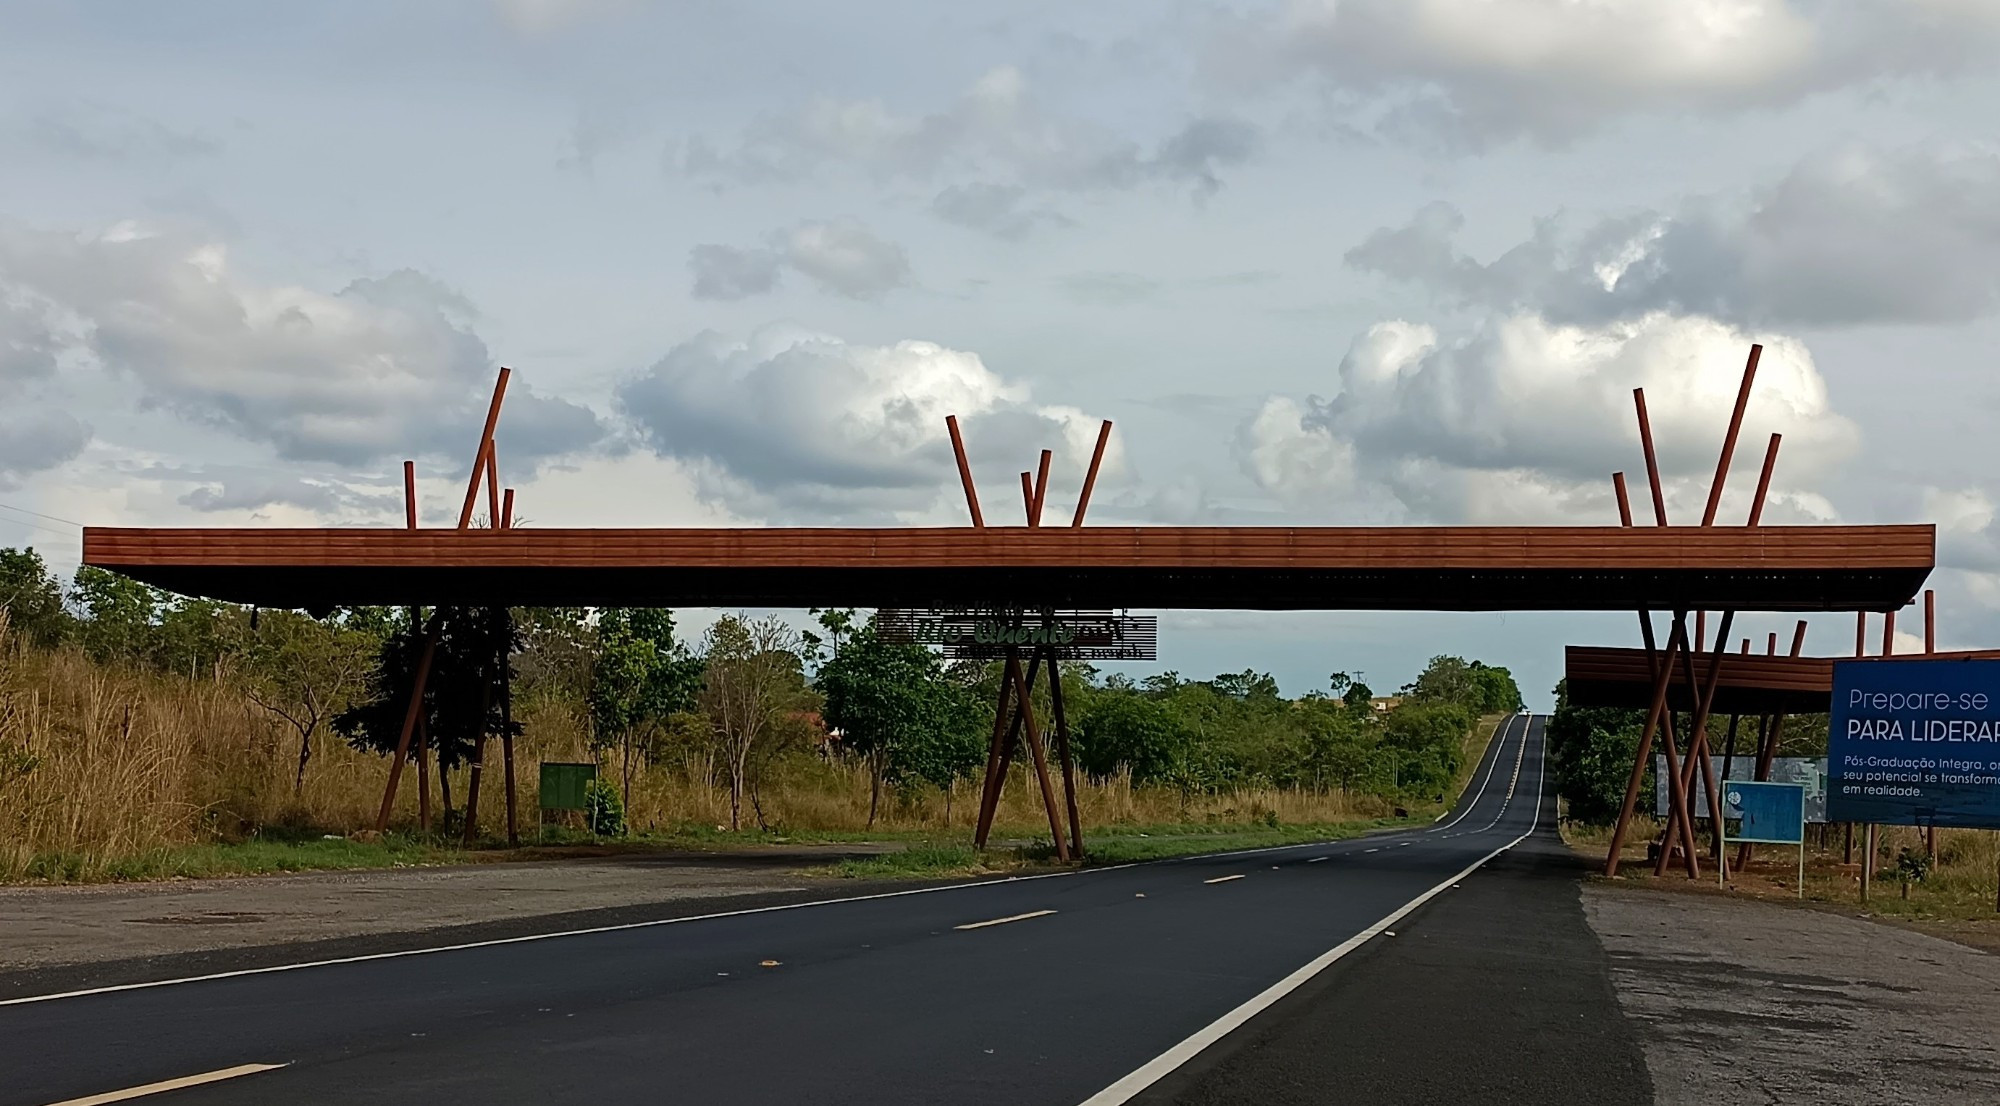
(964, 471)
(989, 791)
(422, 676)
(1729, 439)
(424, 775)
(1764, 480)
(1652, 458)
(485, 444)
(507, 510)
(1028, 496)
(1661, 674)
(1068, 764)
(1026, 712)
(492, 487)
(1090, 476)
(1041, 489)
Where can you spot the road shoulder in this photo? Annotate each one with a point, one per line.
(1736, 1000)
(1495, 993)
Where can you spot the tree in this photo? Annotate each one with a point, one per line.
(753, 679)
(641, 677)
(119, 613)
(33, 599)
(894, 704)
(1590, 757)
(305, 672)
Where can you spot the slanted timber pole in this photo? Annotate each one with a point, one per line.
(485, 444)
(422, 676)
(964, 471)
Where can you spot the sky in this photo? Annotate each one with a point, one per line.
(1322, 262)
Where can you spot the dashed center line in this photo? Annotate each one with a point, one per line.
(1004, 921)
(1374, 850)
(1224, 879)
(1316, 860)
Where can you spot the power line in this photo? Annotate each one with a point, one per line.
(38, 514)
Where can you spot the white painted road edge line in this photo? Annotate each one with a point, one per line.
(168, 1085)
(1152, 1071)
(1004, 921)
(1499, 745)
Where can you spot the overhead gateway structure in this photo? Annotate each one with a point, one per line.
(1025, 569)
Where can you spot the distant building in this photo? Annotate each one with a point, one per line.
(1383, 704)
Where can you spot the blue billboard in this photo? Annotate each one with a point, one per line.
(1915, 743)
(1768, 812)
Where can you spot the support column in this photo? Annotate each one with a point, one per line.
(422, 676)
(1063, 756)
(1661, 674)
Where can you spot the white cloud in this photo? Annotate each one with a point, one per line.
(842, 257)
(798, 424)
(1475, 71)
(1525, 420)
(386, 367)
(995, 138)
(1849, 236)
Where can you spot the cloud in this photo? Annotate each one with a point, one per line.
(386, 367)
(995, 137)
(537, 18)
(732, 273)
(256, 489)
(842, 257)
(1524, 420)
(1110, 289)
(34, 441)
(1851, 236)
(90, 131)
(1002, 210)
(804, 425)
(1473, 72)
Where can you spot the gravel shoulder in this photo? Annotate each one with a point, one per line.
(48, 927)
(1743, 1001)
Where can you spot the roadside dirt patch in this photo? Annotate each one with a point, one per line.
(1737, 1000)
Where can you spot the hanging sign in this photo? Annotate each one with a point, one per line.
(965, 633)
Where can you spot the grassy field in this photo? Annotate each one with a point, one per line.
(1955, 899)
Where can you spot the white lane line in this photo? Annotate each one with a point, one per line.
(1152, 1071)
(1316, 860)
(364, 958)
(1499, 749)
(1004, 921)
(1223, 879)
(1377, 850)
(168, 1085)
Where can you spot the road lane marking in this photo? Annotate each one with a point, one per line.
(587, 932)
(168, 1085)
(1315, 860)
(1376, 849)
(1004, 921)
(1499, 749)
(1223, 879)
(1152, 1071)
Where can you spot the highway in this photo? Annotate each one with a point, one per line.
(1077, 987)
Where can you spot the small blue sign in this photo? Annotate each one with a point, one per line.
(1769, 812)
(1915, 743)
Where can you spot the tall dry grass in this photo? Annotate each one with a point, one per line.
(99, 762)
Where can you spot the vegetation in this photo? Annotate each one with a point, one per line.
(145, 734)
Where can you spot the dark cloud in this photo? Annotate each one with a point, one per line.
(842, 257)
(35, 441)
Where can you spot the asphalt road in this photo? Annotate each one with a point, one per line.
(1077, 987)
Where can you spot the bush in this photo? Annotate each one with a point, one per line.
(603, 809)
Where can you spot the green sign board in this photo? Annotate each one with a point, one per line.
(563, 785)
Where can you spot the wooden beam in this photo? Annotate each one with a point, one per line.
(1729, 439)
(1041, 489)
(964, 471)
(410, 494)
(1764, 479)
(485, 444)
(425, 653)
(1090, 476)
(1663, 673)
(1652, 458)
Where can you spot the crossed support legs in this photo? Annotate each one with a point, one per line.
(1017, 684)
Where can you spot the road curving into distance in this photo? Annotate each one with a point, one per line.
(1084, 987)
